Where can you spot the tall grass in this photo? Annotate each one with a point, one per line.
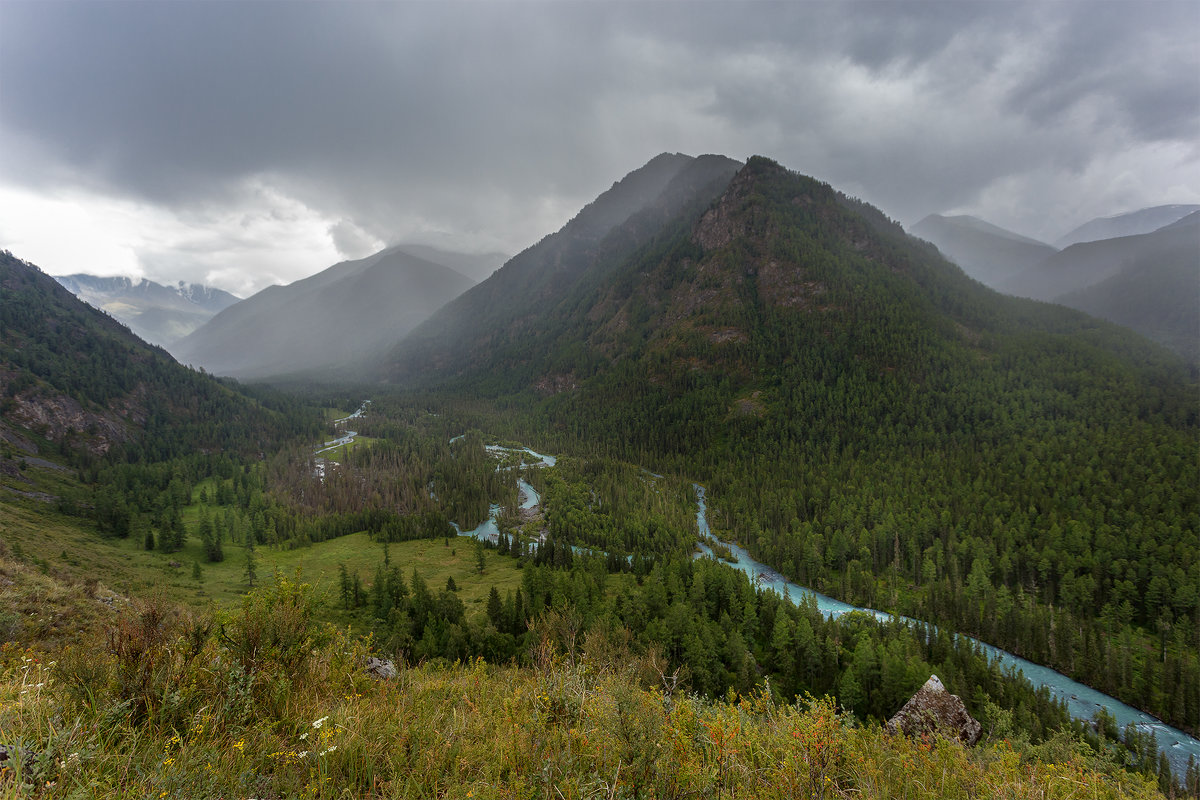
(264, 702)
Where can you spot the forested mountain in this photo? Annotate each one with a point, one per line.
(1145, 220)
(346, 313)
(76, 377)
(594, 243)
(159, 314)
(873, 423)
(987, 253)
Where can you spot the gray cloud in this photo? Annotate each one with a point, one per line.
(492, 123)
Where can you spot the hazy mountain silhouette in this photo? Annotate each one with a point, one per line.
(1145, 220)
(988, 253)
(1156, 290)
(349, 312)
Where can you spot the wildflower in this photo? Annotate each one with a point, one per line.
(330, 749)
(318, 723)
(239, 744)
(304, 736)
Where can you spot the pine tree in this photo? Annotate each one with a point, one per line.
(495, 608)
(251, 567)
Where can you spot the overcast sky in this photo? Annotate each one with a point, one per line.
(249, 143)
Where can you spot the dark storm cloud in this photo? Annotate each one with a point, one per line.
(494, 122)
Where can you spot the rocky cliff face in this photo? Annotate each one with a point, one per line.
(933, 710)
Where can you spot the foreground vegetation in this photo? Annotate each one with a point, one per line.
(265, 701)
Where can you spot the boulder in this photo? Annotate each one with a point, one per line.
(933, 710)
(381, 670)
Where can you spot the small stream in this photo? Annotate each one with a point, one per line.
(530, 499)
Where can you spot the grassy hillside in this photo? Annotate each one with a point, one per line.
(263, 701)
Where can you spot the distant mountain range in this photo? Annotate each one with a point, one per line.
(988, 253)
(701, 272)
(159, 314)
(1144, 220)
(1140, 269)
(329, 321)
(1149, 282)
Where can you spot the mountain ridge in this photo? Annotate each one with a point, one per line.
(330, 320)
(1131, 223)
(628, 215)
(986, 252)
(159, 314)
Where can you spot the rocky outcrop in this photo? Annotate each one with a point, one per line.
(381, 670)
(933, 710)
(57, 415)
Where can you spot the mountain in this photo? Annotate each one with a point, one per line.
(638, 208)
(1088, 263)
(159, 314)
(75, 377)
(348, 312)
(476, 266)
(866, 419)
(988, 253)
(1133, 223)
(1156, 288)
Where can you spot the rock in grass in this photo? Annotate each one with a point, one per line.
(381, 670)
(934, 710)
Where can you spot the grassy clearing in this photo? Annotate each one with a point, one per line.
(72, 550)
(225, 582)
(337, 452)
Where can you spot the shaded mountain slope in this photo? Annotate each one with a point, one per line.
(476, 266)
(985, 252)
(477, 326)
(159, 314)
(1144, 220)
(74, 376)
(344, 314)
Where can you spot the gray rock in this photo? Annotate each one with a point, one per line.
(381, 670)
(933, 710)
